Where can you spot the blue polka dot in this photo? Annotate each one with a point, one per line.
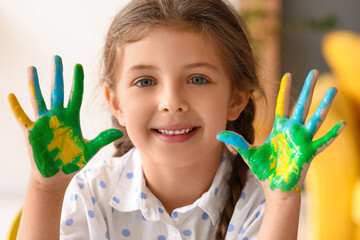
(102, 184)
(223, 159)
(112, 210)
(244, 238)
(130, 175)
(73, 197)
(257, 214)
(69, 222)
(204, 216)
(126, 233)
(115, 199)
(230, 228)
(160, 210)
(91, 214)
(263, 201)
(242, 230)
(93, 199)
(143, 195)
(143, 218)
(243, 195)
(174, 215)
(187, 232)
(81, 186)
(161, 237)
(107, 235)
(216, 191)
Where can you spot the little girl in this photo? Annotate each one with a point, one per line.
(176, 74)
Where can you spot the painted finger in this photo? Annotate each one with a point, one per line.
(103, 139)
(77, 89)
(234, 140)
(37, 100)
(303, 104)
(314, 123)
(19, 113)
(323, 142)
(282, 105)
(57, 94)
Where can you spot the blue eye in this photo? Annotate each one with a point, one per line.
(145, 82)
(198, 80)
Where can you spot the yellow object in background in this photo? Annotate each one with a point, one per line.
(341, 50)
(333, 181)
(14, 227)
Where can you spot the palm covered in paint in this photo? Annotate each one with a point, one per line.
(281, 158)
(55, 137)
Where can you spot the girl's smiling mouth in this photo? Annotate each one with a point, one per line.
(175, 134)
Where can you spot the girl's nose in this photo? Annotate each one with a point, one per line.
(173, 100)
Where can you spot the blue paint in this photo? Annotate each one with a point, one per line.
(57, 95)
(233, 139)
(315, 119)
(40, 103)
(300, 105)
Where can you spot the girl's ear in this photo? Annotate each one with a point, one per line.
(238, 103)
(114, 105)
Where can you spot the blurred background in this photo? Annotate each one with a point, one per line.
(289, 36)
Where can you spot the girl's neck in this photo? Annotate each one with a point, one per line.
(177, 187)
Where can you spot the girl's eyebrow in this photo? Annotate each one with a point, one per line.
(142, 67)
(202, 64)
(189, 66)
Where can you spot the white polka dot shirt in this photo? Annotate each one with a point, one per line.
(110, 200)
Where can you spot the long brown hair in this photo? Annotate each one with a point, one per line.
(216, 20)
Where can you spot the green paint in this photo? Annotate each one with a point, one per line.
(280, 159)
(56, 138)
(286, 156)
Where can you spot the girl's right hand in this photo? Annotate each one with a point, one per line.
(55, 140)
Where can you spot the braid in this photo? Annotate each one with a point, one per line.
(239, 168)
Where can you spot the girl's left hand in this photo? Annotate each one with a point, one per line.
(282, 161)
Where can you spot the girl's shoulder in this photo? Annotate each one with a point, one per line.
(249, 210)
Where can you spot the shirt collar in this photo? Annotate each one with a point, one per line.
(138, 197)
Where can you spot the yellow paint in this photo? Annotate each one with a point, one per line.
(63, 139)
(280, 100)
(297, 190)
(19, 112)
(283, 163)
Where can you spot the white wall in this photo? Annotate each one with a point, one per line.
(31, 32)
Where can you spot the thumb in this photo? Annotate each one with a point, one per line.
(235, 140)
(103, 139)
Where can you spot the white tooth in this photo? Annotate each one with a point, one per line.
(175, 132)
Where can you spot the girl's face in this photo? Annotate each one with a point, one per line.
(174, 96)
